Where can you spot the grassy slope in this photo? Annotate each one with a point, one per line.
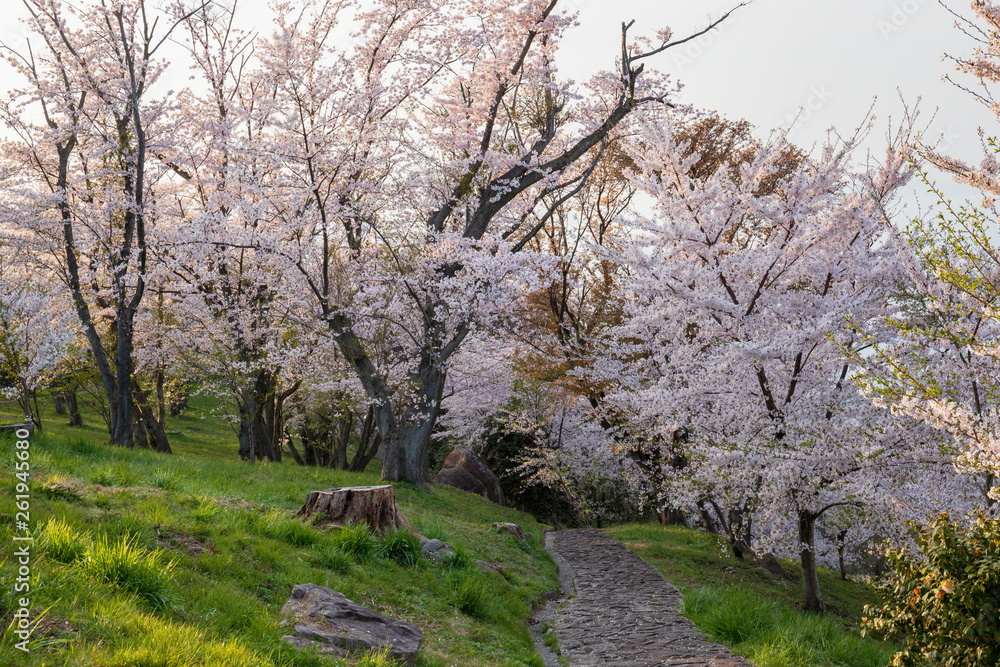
(237, 553)
(753, 612)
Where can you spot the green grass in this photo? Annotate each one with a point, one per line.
(753, 612)
(139, 553)
(200, 431)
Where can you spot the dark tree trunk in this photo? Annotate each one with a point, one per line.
(255, 429)
(733, 524)
(36, 414)
(367, 445)
(60, 400)
(161, 405)
(148, 430)
(73, 409)
(407, 444)
(807, 556)
(179, 404)
(840, 554)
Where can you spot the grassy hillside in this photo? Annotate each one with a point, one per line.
(753, 612)
(151, 560)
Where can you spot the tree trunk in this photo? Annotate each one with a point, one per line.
(60, 399)
(374, 505)
(161, 404)
(149, 430)
(807, 556)
(367, 445)
(255, 432)
(841, 536)
(406, 446)
(72, 408)
(37, 414)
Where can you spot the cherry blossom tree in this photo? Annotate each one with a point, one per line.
(36, 325)
(414, 164)
(936, 354)
(86, 130)
(730, 365)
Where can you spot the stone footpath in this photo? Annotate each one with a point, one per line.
(623, 613)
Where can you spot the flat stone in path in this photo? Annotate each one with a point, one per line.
(623, 613)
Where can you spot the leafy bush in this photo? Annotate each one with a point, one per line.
(400, 546)
(129, 566)
(357, 541)
(944, 608)
(60, 542)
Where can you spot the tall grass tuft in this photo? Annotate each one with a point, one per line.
(60, 542)
(130, 567)
(332, 557)
(733, 617)
(462, 558)
(472, 596)
(400, 546)
(378, 658)
(357, 541)
(165, 479)
(279, 526)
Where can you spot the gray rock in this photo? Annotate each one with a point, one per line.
(464, 469)
(436, 550)
(330, 623)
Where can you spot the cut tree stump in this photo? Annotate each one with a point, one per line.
(375, 505)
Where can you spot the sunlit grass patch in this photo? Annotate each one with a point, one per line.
(122, 562)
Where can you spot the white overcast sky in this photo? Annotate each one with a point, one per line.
(774, 57)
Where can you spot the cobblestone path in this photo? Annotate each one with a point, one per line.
(623, 612)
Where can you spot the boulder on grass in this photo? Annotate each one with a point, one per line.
(464, 469)
(436, 550)
(328, 622)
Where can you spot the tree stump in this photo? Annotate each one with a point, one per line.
(375, 505)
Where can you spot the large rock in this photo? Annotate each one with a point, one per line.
(436, 550)
(330, 623)
(464, 469)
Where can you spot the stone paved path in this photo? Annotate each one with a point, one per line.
(623, 612)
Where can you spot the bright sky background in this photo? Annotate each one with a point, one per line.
(827, 58)
(821, 61)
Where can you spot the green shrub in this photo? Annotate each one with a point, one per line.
(400, 546)
(60, 542)
(945, 607)
(126, 565)
(357, 541)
